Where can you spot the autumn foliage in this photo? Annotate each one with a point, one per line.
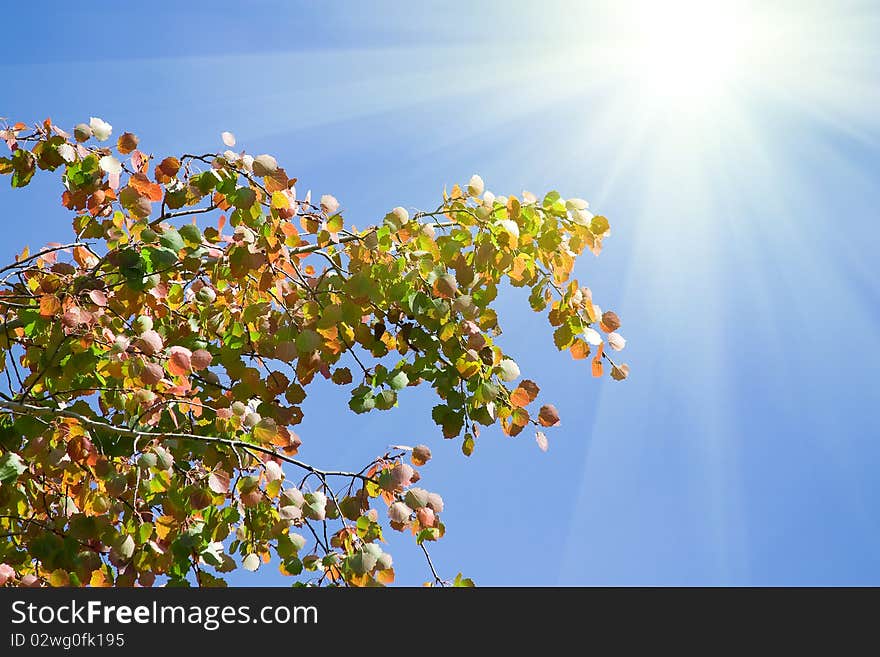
(153, 365)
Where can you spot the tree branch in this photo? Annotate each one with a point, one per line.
(18, 407)
(41, 253)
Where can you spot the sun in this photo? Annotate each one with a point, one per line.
(687, 55)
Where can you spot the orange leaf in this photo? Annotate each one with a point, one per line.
(579, 349)
(276, 181)
(167, 169)
(517, 421)
(445, 287)
(597, 361)
(99, 579)
(525, 393)
(548, 416)
(164, 526)
(385, 576)
(84, 257)
(179, 361)
(126, 143)
(142, 185)
(49, 305)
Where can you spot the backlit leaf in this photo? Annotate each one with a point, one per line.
(525, 393)
(548, 416)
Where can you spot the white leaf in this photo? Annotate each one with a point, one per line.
(475, 186)
(251, 562)
(541, 439)
(329, 204)
(100, 128)
(581, 217)
(110, 164)
(273, 471)
(592, 336)
(574, 204)
(510, 227)
(616, 341)
(508, 370)
(67, 152)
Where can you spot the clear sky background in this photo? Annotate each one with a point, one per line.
(743, 195)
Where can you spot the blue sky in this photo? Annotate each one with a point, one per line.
(743, 448)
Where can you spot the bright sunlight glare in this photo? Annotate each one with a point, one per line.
(686, 55)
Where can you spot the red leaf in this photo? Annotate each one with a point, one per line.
(98, 298)
(218, 482)
(152, 374)
(201, 358)
(150, 343)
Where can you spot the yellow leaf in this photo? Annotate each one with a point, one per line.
(280, 201)
(99, 579)
(59, 577)
(164, 526)
(385, 576)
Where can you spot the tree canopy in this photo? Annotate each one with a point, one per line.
(154, 364)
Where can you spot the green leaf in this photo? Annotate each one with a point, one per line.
(205, 182)
(160, 258)
(308, 340)
(386, 399)
(23, 167)
(399, 381)
(11, 466)
(460, 581)
(266, 430)
(550, 199)
(599, 225)
(362, 400)
(213, 554)
(191, 234)
(171, 239)
(334, 223)
(486, 392)
(563, 337)
(293, 566)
